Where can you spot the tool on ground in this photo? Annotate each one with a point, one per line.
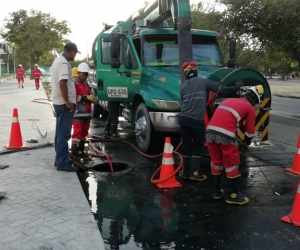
(15, 141)
(37, 128)
(77, 162)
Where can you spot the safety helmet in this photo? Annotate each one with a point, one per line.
(74, 72)
(36, 65)
(256, 93)
(20, 65)
(190, 69)
(83, 67)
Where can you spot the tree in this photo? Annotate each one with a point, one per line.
(37, 36)
(265, 22)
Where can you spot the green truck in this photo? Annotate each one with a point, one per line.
(138, 63)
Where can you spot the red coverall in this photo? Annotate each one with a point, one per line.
(37, 73)
(20, 76)
(225, 122)
(82, 116)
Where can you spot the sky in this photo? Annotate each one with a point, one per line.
(85, 17)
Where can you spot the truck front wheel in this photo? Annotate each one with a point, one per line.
(145, 134)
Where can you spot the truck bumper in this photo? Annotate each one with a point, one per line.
(165, 122)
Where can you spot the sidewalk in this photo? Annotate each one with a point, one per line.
(43, 208)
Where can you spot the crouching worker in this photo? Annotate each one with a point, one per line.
(223, 145)
(82, 116)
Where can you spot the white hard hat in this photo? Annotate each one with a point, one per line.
(20, 65)
(36, 65)
(83, 67)
(258, 90)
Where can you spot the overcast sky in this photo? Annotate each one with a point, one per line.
(85, 17)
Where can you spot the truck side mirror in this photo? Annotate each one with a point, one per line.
(232, 49)
(115, 63)
(114, 47)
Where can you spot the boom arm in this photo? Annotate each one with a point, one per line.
(154, 15)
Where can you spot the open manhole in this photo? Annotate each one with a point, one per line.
(117, 167)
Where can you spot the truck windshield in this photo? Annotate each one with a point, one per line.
(163, 51)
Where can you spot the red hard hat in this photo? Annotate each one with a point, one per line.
(185, 64)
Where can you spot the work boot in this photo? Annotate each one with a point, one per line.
(195, 167)
(114, 133)
(74, 149)
(67, 168)
(218, 192)
(107, 130)
(184, 173)
(233, 196)
(81, 153)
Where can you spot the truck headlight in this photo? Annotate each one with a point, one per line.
(163, 104)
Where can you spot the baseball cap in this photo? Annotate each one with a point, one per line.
(71, 47)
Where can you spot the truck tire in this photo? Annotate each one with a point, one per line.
(148, 139)
(96, 110)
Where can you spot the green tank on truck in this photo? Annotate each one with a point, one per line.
(138, 63)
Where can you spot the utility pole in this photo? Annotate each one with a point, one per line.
(14, 48)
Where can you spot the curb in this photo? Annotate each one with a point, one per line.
(288, 96)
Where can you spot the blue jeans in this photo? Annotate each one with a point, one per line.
(192, 136)
(64, 120)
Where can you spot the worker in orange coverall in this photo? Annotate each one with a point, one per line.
(82, 116)
(223, 145)
(36, 73)
(20, 72)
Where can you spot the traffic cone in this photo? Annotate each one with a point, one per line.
(294, 216)
(295, 169)
(167, 168)
(15, 141)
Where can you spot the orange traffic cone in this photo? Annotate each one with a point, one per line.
(294, 216)
(295, 169)
(167, 177)
(15, 141)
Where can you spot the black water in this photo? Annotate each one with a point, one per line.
(132, 213)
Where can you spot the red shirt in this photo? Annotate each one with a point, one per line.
(36, 73)
(20, 72)
(230, 114)
(82, 89)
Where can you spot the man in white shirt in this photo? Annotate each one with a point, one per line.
(64, 100)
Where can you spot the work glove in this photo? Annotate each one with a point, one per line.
(244, 146)
(247, 140)
(92, 98)
(239, 84)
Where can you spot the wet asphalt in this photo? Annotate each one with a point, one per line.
(132, 213)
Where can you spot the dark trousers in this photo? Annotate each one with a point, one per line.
(113, 112)
(192, 136)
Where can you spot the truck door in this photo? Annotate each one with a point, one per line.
(119, 84)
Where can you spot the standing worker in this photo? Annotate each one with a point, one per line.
(20, 75)
(111, 126)
(223, 145)
(36, 73)
(64, 100)
(194, 92)
(82, 116)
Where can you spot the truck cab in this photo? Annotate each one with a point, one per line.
(138, 63)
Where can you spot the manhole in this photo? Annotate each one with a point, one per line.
(105, 167)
